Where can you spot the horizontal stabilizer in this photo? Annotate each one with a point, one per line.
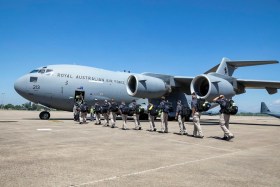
(227, 66)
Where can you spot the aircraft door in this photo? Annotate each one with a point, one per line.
(79, 95)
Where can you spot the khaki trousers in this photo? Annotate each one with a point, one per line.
(197, 128)
(224, 123)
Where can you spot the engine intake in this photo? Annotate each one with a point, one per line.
(210, 86)
(143, 86)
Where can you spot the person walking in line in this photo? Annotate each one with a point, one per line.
(152, 112)
(124, 112)
(114, 109)
(180, 117)
(224, 116)
(197, 131)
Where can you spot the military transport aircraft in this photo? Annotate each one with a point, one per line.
(56, 86)
(265, 110)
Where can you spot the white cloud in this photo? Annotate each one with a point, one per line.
(276, 102)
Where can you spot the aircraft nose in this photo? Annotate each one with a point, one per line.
(20, 85)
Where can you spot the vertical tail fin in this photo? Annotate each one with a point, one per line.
(225, 68)
(264, 108)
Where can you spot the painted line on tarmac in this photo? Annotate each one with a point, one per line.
(150, 170)
(168, 166)
(44, 129)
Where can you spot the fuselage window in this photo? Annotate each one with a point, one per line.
(33, 79)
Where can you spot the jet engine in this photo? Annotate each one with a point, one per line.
(144, 86)
(210, 86)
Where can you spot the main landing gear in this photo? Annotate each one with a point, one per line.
(45, 115)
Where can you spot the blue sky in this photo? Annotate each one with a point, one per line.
(177, 37)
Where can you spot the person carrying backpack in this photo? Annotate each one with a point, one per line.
(76, 112)
(97, 110)
(136, 114)
(164, 109)
(224, 116)
(197, 131)
(124, 112)
(152, 112)
(114, 109)
(105, 113)
(181, 117)
(83, 114)
(92, 113)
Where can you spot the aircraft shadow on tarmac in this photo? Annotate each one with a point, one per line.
(216, 122)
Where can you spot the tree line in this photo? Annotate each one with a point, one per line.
(25, 106)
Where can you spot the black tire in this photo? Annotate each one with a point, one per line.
(45, 115)
(144, 116)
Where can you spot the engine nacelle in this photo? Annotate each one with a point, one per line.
(209, 86)
(143, 86)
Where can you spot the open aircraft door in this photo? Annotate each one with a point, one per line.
(79, 95)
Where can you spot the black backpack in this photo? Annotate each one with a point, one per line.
(230, 107)
(185, 110)
(154, 111)
(168, 107)
(132, 107)
(104, 108)
(125, 109)
(97, 109)
(203, 105)
(84, 108)
(114, 107)
(138, 109)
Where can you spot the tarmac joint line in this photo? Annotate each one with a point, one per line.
(168, 166)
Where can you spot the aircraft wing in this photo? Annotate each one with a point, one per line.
(181, 82)
(270, 86)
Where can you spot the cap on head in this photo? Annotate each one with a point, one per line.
(193, 93)
(162, 97)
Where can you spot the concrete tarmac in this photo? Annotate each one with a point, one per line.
(60, 152)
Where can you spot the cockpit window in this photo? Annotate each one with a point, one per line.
(33, 79)
(34, 71)
(42, 71)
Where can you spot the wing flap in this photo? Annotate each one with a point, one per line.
(270, 86)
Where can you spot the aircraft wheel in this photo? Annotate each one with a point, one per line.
(143, 116)
(44, 115)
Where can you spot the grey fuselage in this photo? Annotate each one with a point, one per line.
(54, 86)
